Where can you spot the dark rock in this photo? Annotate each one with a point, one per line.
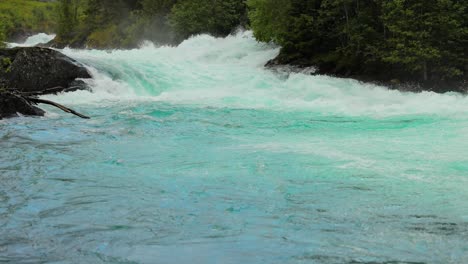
(34, 69)
(12, 105)
(378, 77)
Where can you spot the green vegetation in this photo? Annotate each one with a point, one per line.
(5, 64)
(417, 40)
(25, 16)
(218, 17)
(2, 36)
(268, 21)
(124, 23)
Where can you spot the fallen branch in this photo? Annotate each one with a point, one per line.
(61, 107)
(32, 99)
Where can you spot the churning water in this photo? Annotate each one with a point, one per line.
(40, 38)
(198, 154)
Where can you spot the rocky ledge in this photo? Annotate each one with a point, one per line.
(11, 105)
(35, 71)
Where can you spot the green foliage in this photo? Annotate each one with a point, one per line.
(418, 40)
(216, 17)
(426, 36)
(104, 37)
(5, 64)
(68, 18)
(154, 24)
(268, 20)
(157, 7)
(26, 16)
(3, 28)
(95, 23)
(124, 23)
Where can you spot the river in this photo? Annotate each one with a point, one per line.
(198, 154)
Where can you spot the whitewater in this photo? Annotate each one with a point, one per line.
(199, 154)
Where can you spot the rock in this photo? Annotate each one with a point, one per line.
(12, 105)
(25, 72)
(35, 69)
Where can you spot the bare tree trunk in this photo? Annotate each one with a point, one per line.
(34, 101)
(347, 19)
(59, 106)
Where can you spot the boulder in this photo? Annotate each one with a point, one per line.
(35, 69)
(26, 73)
(11, 105)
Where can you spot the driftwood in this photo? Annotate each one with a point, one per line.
(34, 100)
(59, 106)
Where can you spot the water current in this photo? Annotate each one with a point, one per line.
(198, 154)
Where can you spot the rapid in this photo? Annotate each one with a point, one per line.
(199, 154)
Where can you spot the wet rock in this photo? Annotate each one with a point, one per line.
(35, 69)
(12, 105)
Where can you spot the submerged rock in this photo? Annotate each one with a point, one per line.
(35, 69)
(12, 105)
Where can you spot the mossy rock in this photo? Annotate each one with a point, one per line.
(5, 64)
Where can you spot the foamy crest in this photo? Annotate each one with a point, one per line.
(229, 72)
(34, 40)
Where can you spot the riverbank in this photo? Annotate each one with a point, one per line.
(382, 77)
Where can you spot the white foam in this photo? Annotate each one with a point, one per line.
(34, 40)
(229, 72)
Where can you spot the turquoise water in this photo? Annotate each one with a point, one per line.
(197, 154)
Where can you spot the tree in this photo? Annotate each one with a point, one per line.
(154, 23)
(2, 32)
(157, 7)
(67, 19)
(427, 37)
(269, 19)
(216, 17)
(415, 40)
